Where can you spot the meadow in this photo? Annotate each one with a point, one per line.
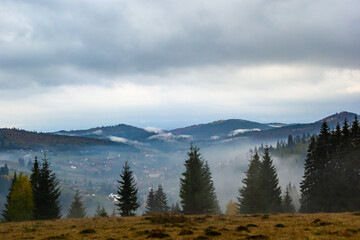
(256, 226)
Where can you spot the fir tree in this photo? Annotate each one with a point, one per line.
(197, 192)
(100, 211)
(160, 200)
(288, 206)
(5, 213)
(150, 202)
(77, 209)
(210, 202)
(175, 208)
(127, 201)
(271, 191)
(46, 191)
(308, 184)
(251, 200)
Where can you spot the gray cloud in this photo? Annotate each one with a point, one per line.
(61, 42)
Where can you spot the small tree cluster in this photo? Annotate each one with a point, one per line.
(197, 191)
(261, 192)
(175, 208)
(157, 201)
(37, 198)
(332, 167)
(45, 190)
(100, 211)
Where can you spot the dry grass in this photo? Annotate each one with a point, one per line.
(282, 226)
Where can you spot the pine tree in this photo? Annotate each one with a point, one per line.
(197, 192)
(160, 201)
(288, 206)
(5, 213)
(250, 199)
(100, 211)
(175, 208)
(20, 203)
(270, 184)
(150, 201)
(127, 201)
(46, 192)
(77, 209)
(210, 202)
(308, 184)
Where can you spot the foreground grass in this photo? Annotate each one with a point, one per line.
(282, 226)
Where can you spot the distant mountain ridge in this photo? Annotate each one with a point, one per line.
(220, 129)
(125, 135)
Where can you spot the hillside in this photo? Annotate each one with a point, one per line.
(21, 139)
(220, 129)
(120, 131)
(300, 129)
(257, 226)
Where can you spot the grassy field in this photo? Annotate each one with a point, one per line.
(282, 226)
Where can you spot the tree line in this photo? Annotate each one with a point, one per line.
(332, 170)
(330, 184)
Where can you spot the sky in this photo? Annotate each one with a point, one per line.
(76, 64)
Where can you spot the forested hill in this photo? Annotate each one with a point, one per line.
(304, 128)
(21, 139)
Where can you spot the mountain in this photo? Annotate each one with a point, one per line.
(221, 129)
(300, 129)
(118, 133)
(21, 139)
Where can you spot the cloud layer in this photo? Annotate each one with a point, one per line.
(127, 59)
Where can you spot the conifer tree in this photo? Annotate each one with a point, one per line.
(210, 202)
(271, 191)
(5, 211)
(175, 208)
(160, 200)
(46, 191)
(77, 209)
(288, 206)
(20, 203)
(100, 211)
(197, 192)
(150, 202)
(250, 199)
(127, 201)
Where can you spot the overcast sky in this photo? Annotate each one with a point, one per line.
(78, 64)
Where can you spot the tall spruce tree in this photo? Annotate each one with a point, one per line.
(271, 191)
(77, 209)
(46, 191)
(250, 199)
(309, 182)
(210, 203)
(127, 191)
(160, 200)
(150, 202)
(197, 192)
